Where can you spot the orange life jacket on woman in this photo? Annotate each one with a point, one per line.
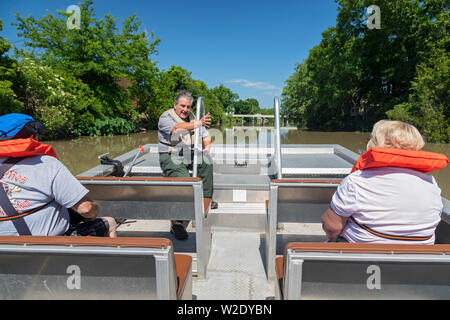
(423, 161)
(19, 148)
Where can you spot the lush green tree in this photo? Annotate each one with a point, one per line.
(213, 104)
(8, 76)
(46, 96)
(269, 111)
(169, 83)
(226, 97)
(247, 106)
(428, 105)
(357, 75)
(97, 55)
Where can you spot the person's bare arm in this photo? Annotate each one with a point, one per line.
(207, 143)
(332, 223)
(87, 208)
(189, 126)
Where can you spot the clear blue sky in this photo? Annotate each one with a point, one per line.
(250, 46)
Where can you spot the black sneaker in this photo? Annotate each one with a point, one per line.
(214, 205)
(179, 232)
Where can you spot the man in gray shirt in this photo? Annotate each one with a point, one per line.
(176, 129)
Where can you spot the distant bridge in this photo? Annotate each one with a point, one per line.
(261, 117)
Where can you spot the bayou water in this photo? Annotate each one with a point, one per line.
(82, 154)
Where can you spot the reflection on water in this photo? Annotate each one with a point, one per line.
(82, 154)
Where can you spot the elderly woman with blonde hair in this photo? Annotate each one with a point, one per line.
(388, 197)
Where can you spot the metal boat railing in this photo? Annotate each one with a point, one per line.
(197, 135)
(276, 125)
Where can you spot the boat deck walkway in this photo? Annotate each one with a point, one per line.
(236, 269)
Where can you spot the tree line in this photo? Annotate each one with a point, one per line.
(357, 76)
(96, 79)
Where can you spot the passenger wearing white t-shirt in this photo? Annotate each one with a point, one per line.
(386, 204)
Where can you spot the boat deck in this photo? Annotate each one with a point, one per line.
(236, 269)
(257, 163)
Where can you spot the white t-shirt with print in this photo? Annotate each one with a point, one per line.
(34, 182)
(393, 201)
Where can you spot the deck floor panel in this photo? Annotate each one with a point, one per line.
(236, 269)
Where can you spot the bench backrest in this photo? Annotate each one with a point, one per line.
(364, 271)
(303, 200)
(156, 199)
(294, 200)
(145, 198)
(89, 268)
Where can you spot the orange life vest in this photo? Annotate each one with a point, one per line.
(13, 150)
(423, 161)
(18, 148)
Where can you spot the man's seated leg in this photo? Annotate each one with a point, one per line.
(173, 166)
(82, 226)
(101, 227)
(205, 171)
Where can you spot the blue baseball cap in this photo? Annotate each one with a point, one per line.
(18, 126)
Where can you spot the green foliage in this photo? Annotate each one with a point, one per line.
(46, 97)
(8, 76)
(428, 106)
(269, 111)
(167, 86)
(96, 80)
(357, 76)
(107, 127)
(93, 59)
(8, 102)
(226, 97)
(247, 106)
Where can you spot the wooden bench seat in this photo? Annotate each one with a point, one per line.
(294, 200)
(363, 271)
(156, 198)
(92, 268)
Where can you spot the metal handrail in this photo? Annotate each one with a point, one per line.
(197, 134)
(276, 125)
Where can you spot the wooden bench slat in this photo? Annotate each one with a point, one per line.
(368, 248)
(183, 264)
(87, 241)
(138, 179)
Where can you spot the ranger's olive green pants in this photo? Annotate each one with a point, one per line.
(175, 166)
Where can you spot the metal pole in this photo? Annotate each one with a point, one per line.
(141, 149)
(277, 137)
(200, 114)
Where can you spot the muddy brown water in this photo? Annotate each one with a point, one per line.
(82, 154)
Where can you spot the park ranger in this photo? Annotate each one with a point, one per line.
(176, 129)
